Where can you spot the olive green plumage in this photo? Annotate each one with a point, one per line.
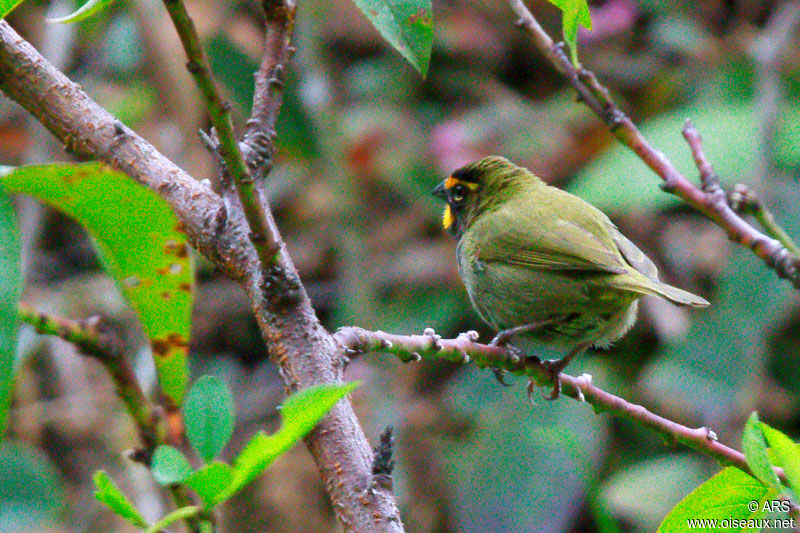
(529, 252)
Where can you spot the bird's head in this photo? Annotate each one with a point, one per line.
(477, 188)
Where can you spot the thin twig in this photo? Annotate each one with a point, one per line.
(709, 181)
(714, 205)
(464, 349)
(744, 200)
(254, 206)
(92, 340)
(259, 137)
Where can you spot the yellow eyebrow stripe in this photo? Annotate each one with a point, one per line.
(451, 182)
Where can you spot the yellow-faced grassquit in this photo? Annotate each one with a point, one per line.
(543, 264)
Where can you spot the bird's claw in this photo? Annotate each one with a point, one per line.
(500, 376)
(554, 393)
(553, 367)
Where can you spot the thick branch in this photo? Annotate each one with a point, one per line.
(713, 204)
(464, 349)
(90, 131)
(304, 352)
(254, 205)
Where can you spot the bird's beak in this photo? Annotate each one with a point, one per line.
(440, 191)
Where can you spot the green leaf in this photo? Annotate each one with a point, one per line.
(575, 12)
(785, 454)
(208, 482)
(726, 495)
(31, 493)
(6, 6)
(141, 245)
(755, 453)
(10, 290)
(300, 413)
(170, 466)
(406, 24)
(209, 416)
(108, 493)
(92, 7)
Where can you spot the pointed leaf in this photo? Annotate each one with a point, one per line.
(755, 453)
(406, 24)
(729, 494)
(301, 412)
(6, 6)
(209, 416)
(108, 493)
(575, 12)
(92, 7)
(170, 466)
(785, 454)
(141, 245)
(208, 482)
(10, 290)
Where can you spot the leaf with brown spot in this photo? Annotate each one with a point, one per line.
(138, 240)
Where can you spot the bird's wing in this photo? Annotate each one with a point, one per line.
(633, 255)
(525, 239)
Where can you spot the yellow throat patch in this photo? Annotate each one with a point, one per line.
(447, 219)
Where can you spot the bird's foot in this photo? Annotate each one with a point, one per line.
(500, 376)
(553, 368)
(514, 356)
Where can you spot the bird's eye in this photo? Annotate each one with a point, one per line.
(459, 191)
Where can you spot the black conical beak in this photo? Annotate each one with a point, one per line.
(440, 191)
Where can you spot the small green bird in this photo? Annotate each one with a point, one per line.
(541, 263)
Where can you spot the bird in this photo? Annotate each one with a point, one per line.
(541, 264)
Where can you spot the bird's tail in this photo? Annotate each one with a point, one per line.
(673, 294)
(678, 296)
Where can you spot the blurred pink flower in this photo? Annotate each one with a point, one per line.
(610, 19)
(451, 146)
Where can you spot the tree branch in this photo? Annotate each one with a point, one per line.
(465, 349)
(303, 350)
(253, 203)
(712, 204)
(745, 201)
(259, 137)
(92, 340)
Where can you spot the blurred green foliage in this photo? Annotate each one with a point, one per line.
(10, 290)
(31, 490)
